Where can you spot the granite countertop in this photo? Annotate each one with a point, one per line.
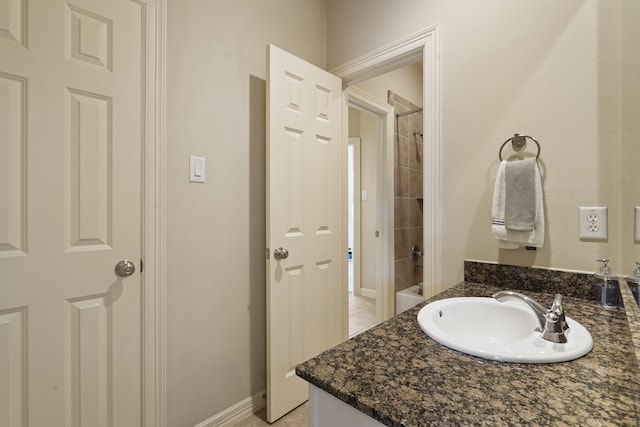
(400, 377)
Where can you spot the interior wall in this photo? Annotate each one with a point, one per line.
(215, 242)
(547, 69)
(368, 207)
(406, 81)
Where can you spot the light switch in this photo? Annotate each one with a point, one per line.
(197, 169)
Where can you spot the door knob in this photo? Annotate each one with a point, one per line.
(280, 253)
(125, 268)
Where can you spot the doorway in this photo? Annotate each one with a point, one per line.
(380, 163)
(370, 230)
(423, 46)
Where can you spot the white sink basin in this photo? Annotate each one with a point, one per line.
(506, 331)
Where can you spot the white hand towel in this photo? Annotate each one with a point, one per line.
(513, 239)
(497, 210)
(520, 195)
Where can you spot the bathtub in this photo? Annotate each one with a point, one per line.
(407, 298)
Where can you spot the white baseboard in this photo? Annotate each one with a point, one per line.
(369, 293)
(237, 412)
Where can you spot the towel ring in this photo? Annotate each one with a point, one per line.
(518, 142)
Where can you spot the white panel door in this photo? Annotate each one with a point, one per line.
(306, 206)
(71, 91)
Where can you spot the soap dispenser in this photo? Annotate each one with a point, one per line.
(634, 283)
(607, 288)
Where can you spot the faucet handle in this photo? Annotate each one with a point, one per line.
(553, 329)
(557, 301)
(555, 322)
(557, 308)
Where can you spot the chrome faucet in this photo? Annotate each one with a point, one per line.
(553, 322)
(416, 253)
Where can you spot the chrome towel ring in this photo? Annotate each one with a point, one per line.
(518, 142)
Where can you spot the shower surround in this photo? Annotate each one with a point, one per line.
(408, 173)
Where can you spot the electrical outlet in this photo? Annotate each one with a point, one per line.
(593, 223)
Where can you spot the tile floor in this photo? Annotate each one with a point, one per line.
(296, 418)
(362, 316)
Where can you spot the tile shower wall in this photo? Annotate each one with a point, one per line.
(408, 172)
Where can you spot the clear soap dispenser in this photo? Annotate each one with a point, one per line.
(634, 283)
(607, 287)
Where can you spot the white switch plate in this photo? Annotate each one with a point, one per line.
(197, 169)
(593, 223)
(637, 209)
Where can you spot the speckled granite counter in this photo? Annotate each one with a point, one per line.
(633, 317)
(400, 377)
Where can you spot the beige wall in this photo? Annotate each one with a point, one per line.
(406, 81)
(547, 69)
(216, 70)
(369, 183)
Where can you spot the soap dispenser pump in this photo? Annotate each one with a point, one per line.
(634, 283)
(607, 288)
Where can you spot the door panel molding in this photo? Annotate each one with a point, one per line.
(89, 357)
(13, 187)
(13, 366)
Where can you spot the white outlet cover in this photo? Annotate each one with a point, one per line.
(593, 223)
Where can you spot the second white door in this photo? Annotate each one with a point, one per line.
(306, 210)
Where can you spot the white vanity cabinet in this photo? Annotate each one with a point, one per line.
(328, 411)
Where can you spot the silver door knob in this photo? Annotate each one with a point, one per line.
(125, 268)
(280, 253)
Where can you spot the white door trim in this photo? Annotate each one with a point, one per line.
(426, 45)
(153, 254)
(357, 209)
(384, 251)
